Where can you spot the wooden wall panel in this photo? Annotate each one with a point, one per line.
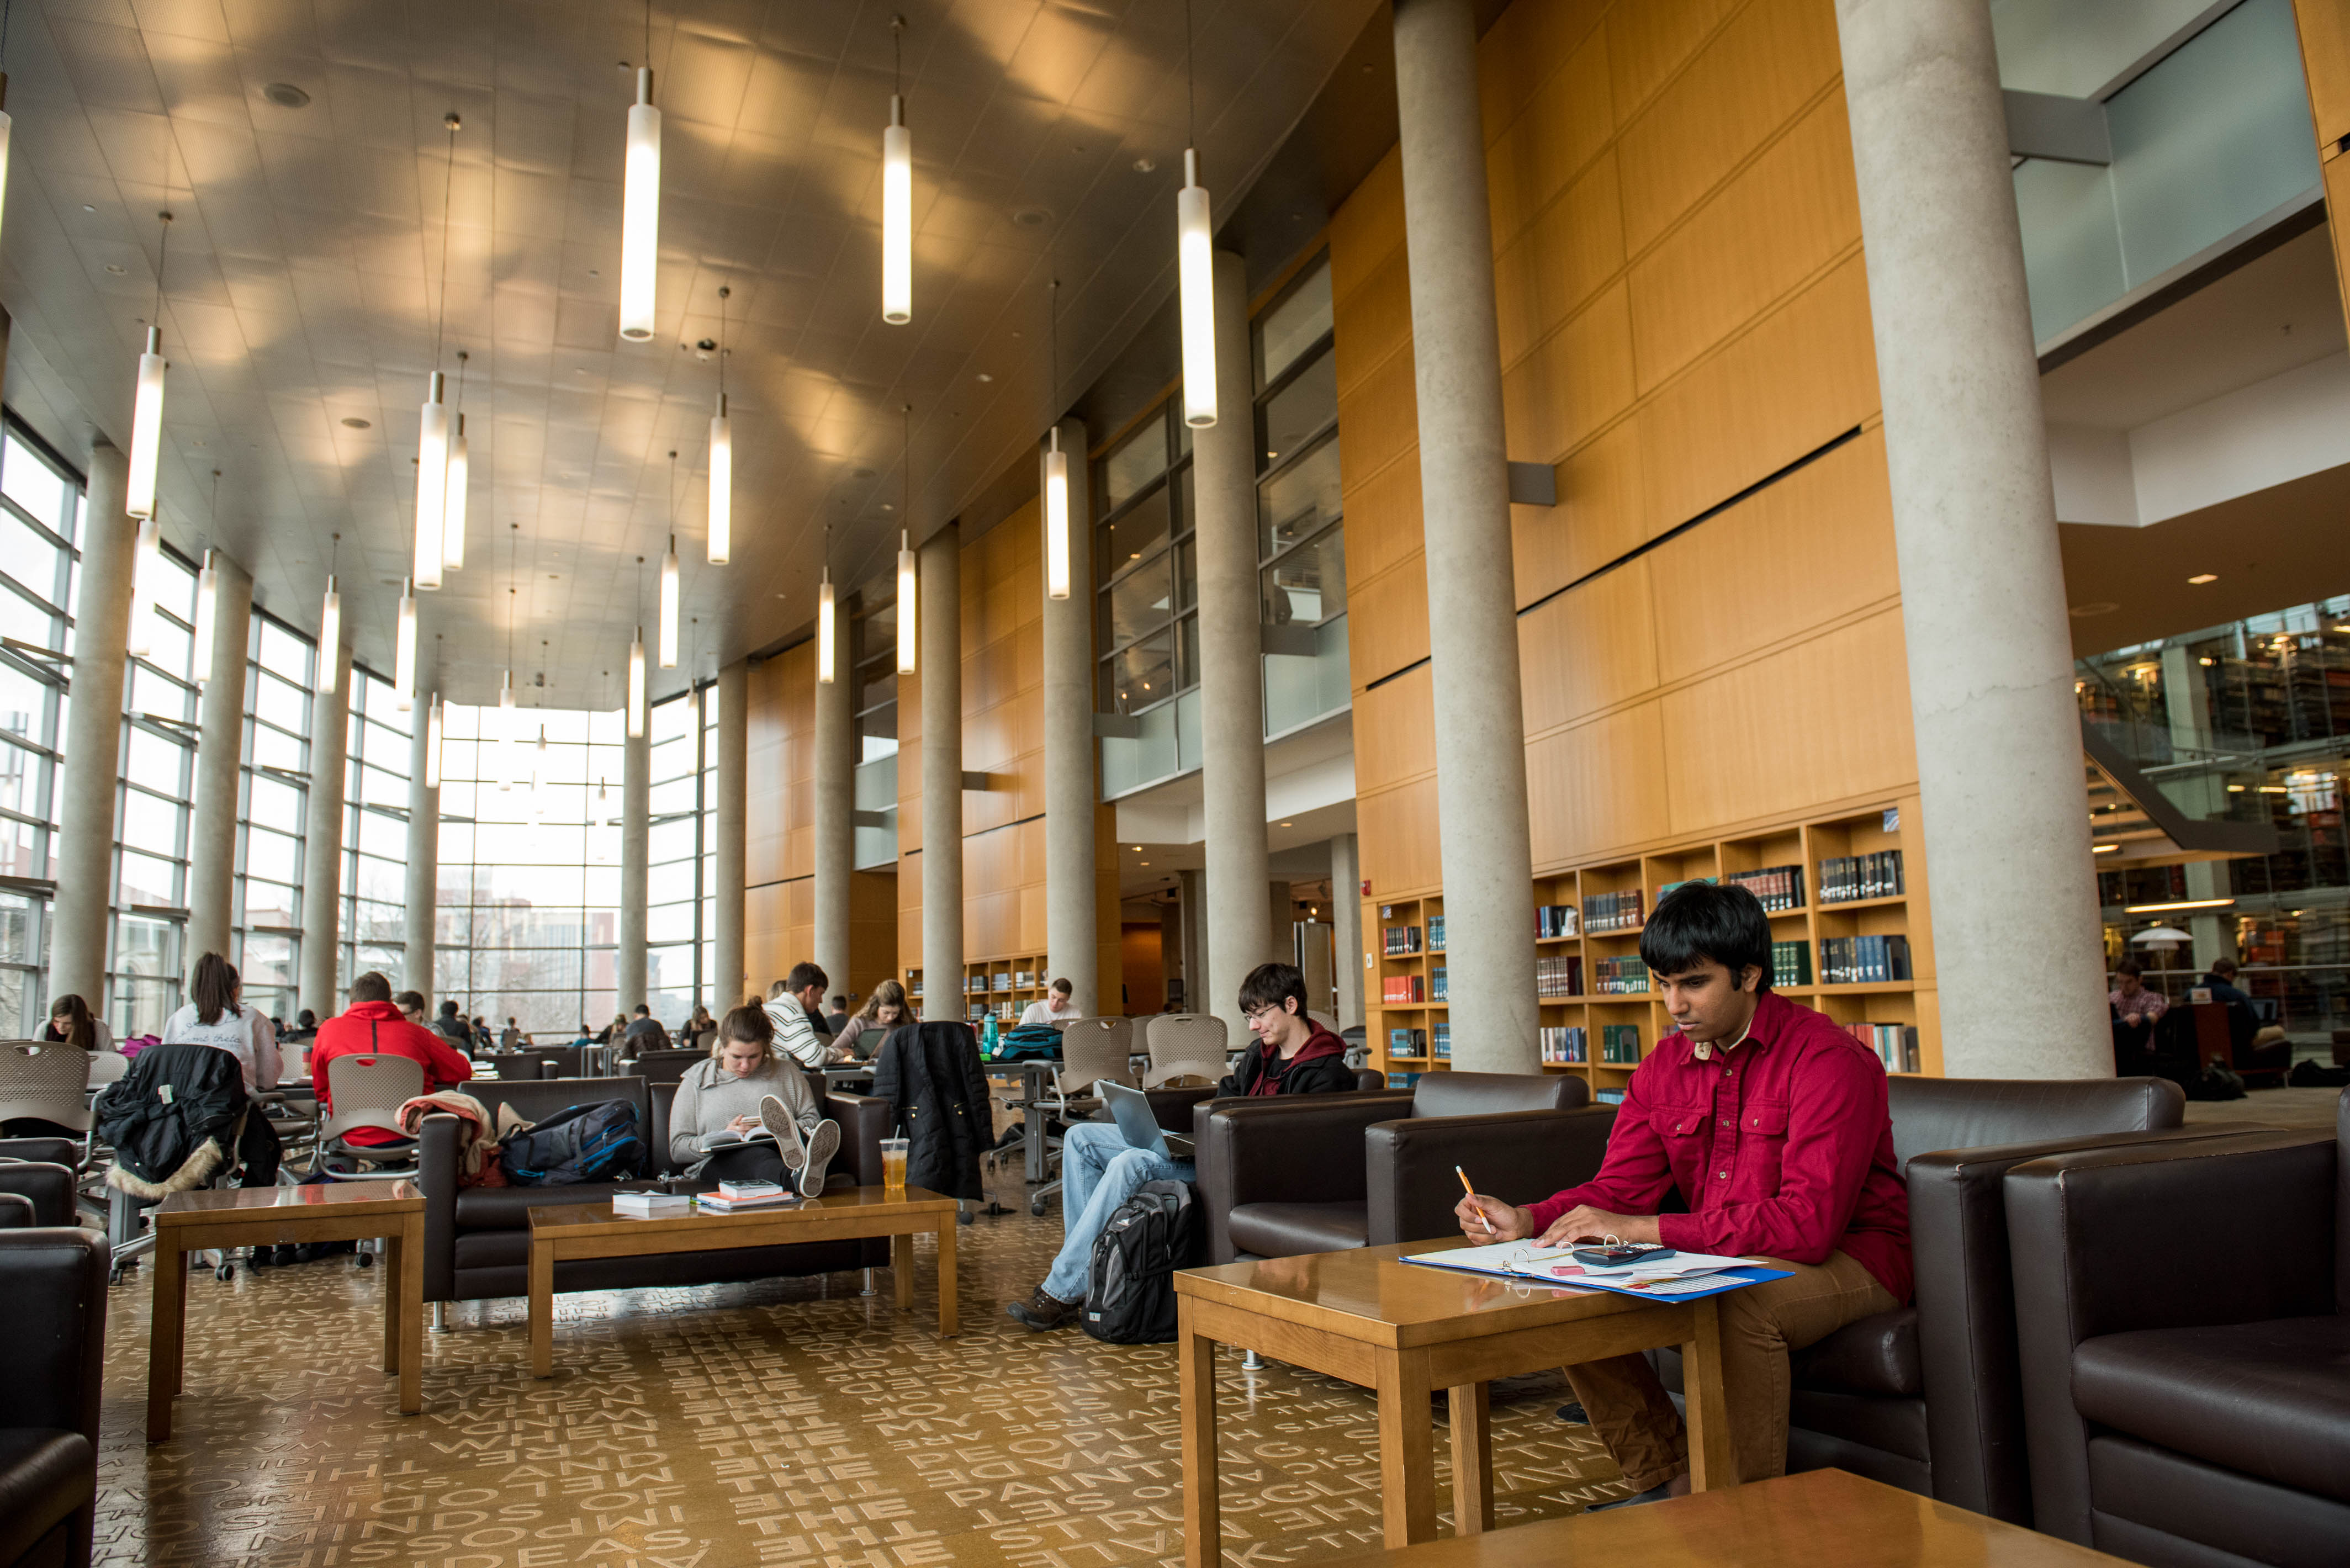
(1378, 321)
(1648, 43)
(1589, 649)
(1572, 383)
(1733, 95)
(1561, 128)
(872, 933)
(1522, 55)
(1601, 513)
(1595, 785)
(1397, 829)
(764, 758)
(1368, 226)
(1383, 528)
(1568, 255)
(1381, 413)
(1395, 732)
(2325, 29)
(1386, 623)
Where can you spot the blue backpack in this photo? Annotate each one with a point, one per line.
(580, 1143)
(1034, 1040)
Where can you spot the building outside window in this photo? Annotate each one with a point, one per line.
(675, 915)
(375, 833)
(40, 518)
(271, 806)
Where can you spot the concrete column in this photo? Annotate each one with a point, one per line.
(729, 965)
(1346, 926)
(635, 838)
(1231, 664)
(1464, 484)
(79, 924)
(322, 840)
(1194, 886)
(836, 806)
(939, 654)
(420, 917)
(1072, 919)
(1974, 529)
(220, 748)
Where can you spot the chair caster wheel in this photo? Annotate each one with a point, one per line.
(1037, 1207)
(964, 1218)
(225, 1272)
(367, 1260)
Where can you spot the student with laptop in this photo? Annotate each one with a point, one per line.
(1104, 1163)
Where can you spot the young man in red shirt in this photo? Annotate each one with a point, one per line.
(374, 1024)
(1771, 1124)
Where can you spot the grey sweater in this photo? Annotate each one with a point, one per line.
(709, 1097)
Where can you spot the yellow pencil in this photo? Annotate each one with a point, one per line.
(1473, 1197)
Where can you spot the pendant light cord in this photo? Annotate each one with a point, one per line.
(896, 56)
(906, 425)
(1191, 82)
(448, 190)
(1053, 336)
(5, 7)
(162, 256)
(724, 348)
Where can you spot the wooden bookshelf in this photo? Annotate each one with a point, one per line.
(1809, 919)
(1003, 986)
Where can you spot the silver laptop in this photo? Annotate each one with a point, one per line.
(1130, 1108)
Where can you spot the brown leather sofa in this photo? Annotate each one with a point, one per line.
(477, 1239)
(2185, 1318)
(664, 1066)
(48, 1188)
(54, 1281)
(1928, 1397)
(1319, 1173)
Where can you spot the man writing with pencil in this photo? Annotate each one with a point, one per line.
(1771, 1123)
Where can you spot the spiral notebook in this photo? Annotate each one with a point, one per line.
(1683, 1276)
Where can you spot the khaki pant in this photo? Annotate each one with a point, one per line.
(1760, 1325)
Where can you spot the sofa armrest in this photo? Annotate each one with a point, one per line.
(436, 1174)
(49, 1188)
(2101, 1244)
(1518, 1155)
(1966, 1312)
(864, 1123)
(1302, 1149)
(54, 1354)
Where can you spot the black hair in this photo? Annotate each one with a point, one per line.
(449, 1010)
(1270, 984)
(372, 987)
(213, 990)
(803, 975)
(2129, 968)
(2224, 968)
(1698, 922)
(410, 1001)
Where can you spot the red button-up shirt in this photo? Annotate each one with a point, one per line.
(1782, 1149)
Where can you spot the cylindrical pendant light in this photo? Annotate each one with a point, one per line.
(897, 217)
(207, 609)
(141, 639)
(147, 427)
(640, 213)
(668, 607)
(330, 634)
(909, 575)
(403, 657)
(506, 732)
(1199, 296)
(432, 744)
(452, 552)
(431, 485)
(721, 487)
(1056, 519)
(637, 686)
(824, 629)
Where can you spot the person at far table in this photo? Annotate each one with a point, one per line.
(794, 1006)
(860, 1038)
(72, 1023)
(510, 1038)
(1771, 1123)
(2222, 983)
(1058, 1005)
(2133, 1002)
(412, 1007)
(451, 1026)
(1291, 1054)
(837, 1018)
(218, 1017)
(744, 1086)
(372, 1026)
(645, 1033)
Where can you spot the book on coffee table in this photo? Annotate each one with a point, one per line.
(645, 1205)
(720, 1203)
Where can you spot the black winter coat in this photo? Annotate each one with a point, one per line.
(153, 1136)
(932, 1074)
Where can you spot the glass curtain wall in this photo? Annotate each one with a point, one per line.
(873, 635)
(279, 663)
(40, 518)
(375, 833)
(153, 794)
(677, 917)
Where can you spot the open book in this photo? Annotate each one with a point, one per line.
(727, 1139)
(1677, 1275)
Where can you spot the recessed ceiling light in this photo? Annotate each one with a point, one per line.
(358, 424)
(285, 95)
(1145, 165)
(595, 272)
(1138, 850)
(1032, 217)
(114, 269)
(2099, 606)
(1289, 824)
(2201, 577)
(87, 208)
(887, 506)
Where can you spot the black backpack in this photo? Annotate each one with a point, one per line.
(1130, 1282)
(579, 1143)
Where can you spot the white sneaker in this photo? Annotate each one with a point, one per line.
(822, 1145)
(777, 1118)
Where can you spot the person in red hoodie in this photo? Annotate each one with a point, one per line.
(373, 1023)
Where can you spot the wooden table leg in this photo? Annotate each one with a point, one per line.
(949, 1318)
(901, 1270)
(388, 1271)
(407, 1276)
(542, 1308)
(167, 1324)
(1472, 1458)
(1407, 1449)
(1196, 1376)
(1713, 1463)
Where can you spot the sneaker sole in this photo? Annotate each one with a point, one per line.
(823, 1144)
(776, 1117)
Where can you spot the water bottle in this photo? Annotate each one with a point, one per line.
(988, 1044)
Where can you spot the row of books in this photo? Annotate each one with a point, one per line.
(1440, 1040)
(1791, 964)
(1437, 990)
(1626, 976)
(1620, 1044)
(1863, 961)
(1558, 974)
(1781, 887)
(1398, 940)
(1568, 1043)
(1407, 1042)
(1896, 1044)
(1396, 989)
(1613, 911)
(1557, 920)
(1436, 933)
(1847, 878)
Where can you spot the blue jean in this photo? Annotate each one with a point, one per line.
(1099, 1171)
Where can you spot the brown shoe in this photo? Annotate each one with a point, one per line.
(1042, 1311)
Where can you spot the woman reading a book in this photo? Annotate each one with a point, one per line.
(747, 1114)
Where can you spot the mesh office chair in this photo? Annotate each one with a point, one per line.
(1092, 1049)
(1185, 1044)
(367, 1092)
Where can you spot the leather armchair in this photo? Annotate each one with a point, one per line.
(477, 1239)
(49, 1188)
(2184, 1316)
(1320, 1173)
(54, 1279)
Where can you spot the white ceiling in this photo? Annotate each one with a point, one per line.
(303, 275)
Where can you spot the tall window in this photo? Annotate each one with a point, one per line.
(375, 833)
(1301, 541)
(873, 645)
(153, 794)
(530, 874)
(270, 811)
(40, 516)
(675, 915)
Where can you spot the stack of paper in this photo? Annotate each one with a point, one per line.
(734, 1197)
(1674, 1274)
(645, 1205)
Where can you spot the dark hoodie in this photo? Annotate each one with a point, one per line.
(1319, 1068)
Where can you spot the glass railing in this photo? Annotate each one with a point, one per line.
(877, 790)
(1300, 689)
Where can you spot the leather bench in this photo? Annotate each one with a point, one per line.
(54, 1281)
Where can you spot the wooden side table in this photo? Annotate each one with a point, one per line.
(284, 1216)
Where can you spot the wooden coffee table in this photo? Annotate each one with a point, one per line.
(1363, 1316)
(1821, 1519)
(592, 1231)
(284, 1216)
